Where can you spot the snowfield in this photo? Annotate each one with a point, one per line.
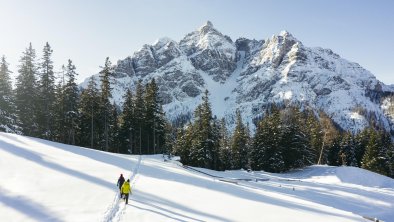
(47, 181)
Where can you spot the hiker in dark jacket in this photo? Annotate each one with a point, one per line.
(120, 183)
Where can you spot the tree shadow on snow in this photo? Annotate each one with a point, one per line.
(98, 155)
(202, 181)
(38, 159)
(27, 207)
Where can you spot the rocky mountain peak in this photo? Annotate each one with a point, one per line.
(249, 75)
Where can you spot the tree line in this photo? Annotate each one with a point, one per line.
(47, 106)
(286, 137)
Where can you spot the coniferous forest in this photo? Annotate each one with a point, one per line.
(47, 105)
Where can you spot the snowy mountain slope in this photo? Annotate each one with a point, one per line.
(251, 74)
(46, 181)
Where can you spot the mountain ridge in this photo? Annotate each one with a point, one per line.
(251, 74)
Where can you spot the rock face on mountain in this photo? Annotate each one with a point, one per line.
(250, 74)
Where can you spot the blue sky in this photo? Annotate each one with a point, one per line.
(87, 31)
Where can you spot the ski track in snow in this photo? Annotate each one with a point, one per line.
(116, 210)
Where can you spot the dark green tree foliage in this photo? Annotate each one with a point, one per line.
(225, 154)
(315, 134)
(139, 116)
(375, 158)
(59, 131)
(361, 141)
(155, 122)
(239, 144)
(71, 97)
(8, 120)
(183, 145)
(348, 148)
(127, 124)
(266, 153)
(46, 94)
(114, 130)
(198, 145)
(334, 149)
(295, 144)
(105, 105)
(89, 116)
(26, 92)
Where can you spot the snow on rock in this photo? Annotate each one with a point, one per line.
(252, 74)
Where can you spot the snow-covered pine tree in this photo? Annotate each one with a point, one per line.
(26, 92)
(46, 94)
(8, 119)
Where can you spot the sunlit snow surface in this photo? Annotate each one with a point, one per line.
(46, 181)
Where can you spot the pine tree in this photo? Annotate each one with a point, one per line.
(8, 119)
(374, 159)
(266, 153)
(26, 92)
(154, 122)
(89, 116)
(334, 152)
(225, 154)
(105, 105)
(348, 148)
(239, 145)
(361, 141)
(46, 94)
(295, 144)
(139, 115)
(127, 124)
(114, 130)
(71, 97)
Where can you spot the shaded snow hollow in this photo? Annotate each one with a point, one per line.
(47, 181)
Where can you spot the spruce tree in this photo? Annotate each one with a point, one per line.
(71, 97)
(295, 144)
(374, 159)
(266, 153)
(26, 92)
(46, 94)
(225, 154)
(8, 119)
(88, 108)
(154, 122)
(348, 149)
(239, 145)
(140, 117)
(105, 105)
(127, 124)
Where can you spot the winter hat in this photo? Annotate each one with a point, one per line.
(128, 180)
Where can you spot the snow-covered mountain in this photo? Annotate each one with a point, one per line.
(46, 181)
(251, 74)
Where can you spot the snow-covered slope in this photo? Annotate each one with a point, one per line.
(46, 181)
(251, 74)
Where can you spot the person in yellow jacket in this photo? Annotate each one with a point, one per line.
(125, 190)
